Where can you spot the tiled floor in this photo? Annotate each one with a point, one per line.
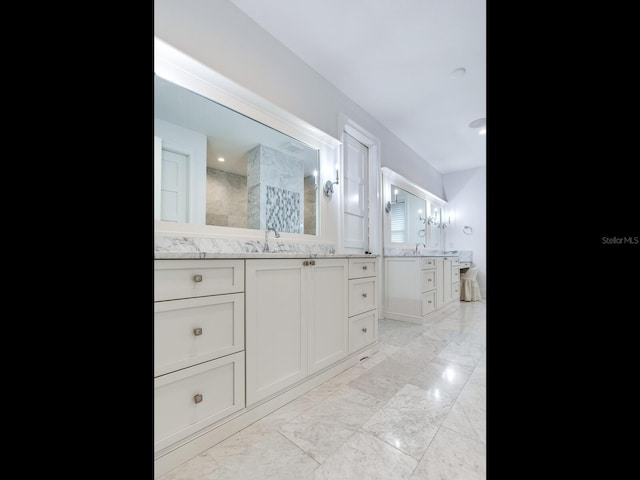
(414, 410)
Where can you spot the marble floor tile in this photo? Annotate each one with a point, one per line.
(464, 353)
(468, 416)
(266, 455)
(283, 415)
(442, 375)
(419, 352)
(410, 419)
(452, 456)
(399, 337)
(364, 457)
(322, 429)
(385, 379)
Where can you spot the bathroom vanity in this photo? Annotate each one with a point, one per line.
(237, 336)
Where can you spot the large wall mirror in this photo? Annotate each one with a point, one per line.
(412, 214)
(219, 167)
(223, 158)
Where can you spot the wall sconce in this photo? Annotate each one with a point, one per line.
(328, 186)
(315, 179)
(434, 219)
(445, 225)
(387, 207)
(420, 217)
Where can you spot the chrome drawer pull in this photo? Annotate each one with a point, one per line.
(364, 295)
(364, 330)
(364, 267)
(305, 263)
(429, 280)
(197, 331)
(197, 397)
(197, 278)
(312, 262)
(428, 301)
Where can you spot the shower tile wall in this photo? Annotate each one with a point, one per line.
(226, 199)
(283, 174)
(310, 193)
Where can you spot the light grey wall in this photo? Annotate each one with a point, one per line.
(226, 199)
(218, 34)
(467, 195)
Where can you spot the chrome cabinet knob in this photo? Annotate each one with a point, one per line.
(312, 262)
(197, 331)
(197, 278)
(364, 330)
(364, 295)
(364, 267)
(197, 398)
(305, 263)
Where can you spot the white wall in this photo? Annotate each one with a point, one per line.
(219, 35)
(466, 194)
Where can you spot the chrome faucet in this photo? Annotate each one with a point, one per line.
(266, 238)
(418, 244)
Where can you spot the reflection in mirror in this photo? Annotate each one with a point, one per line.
(407, 217)
(215, 166)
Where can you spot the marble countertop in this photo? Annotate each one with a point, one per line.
(200, 255)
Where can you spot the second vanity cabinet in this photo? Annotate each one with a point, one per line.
(416, 287)
(296, 320)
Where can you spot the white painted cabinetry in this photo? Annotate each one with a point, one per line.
(296, 321)
(198, 346)
(416, 287)
(363, 303)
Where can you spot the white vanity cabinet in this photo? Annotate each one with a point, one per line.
(416, 287)
(450, 274)
(363, 303)
(198, 346)
(296, 321)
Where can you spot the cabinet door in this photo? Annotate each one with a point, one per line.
(402, 286)
(276, 325)
(328, 325)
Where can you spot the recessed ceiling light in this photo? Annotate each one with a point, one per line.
(220, 159)
(481, 124)
(459, 72)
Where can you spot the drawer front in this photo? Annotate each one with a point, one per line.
(428, 263)
(428, 302)
(455, 291)
(195, 330)
(465, 264)
(428, 281)
(362, 267)
(455, 261)
(362, 296)
(174, 279)
(455, 274)
(190, 399)
(362, 330)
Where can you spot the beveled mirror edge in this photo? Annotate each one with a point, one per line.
(181, 69)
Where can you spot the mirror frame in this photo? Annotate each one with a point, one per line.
(390, 177)
(175, 66)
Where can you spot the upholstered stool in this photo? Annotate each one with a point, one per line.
(469, 288)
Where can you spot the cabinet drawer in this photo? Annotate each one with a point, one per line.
(195, 330)
(428, 302)
(455, 261)
(175, 279)
(362, 330)
(362, 267)
(428, 263)
(428, 280)
(362, 295)
(190, 399)
(455, 291)
(455, 274)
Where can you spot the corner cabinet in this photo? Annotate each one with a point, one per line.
(417, 287)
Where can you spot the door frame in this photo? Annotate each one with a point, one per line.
(346, 125)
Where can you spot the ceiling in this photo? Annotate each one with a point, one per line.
(399, 60)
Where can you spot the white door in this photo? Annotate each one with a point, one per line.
(356, 198)
(173, 187)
